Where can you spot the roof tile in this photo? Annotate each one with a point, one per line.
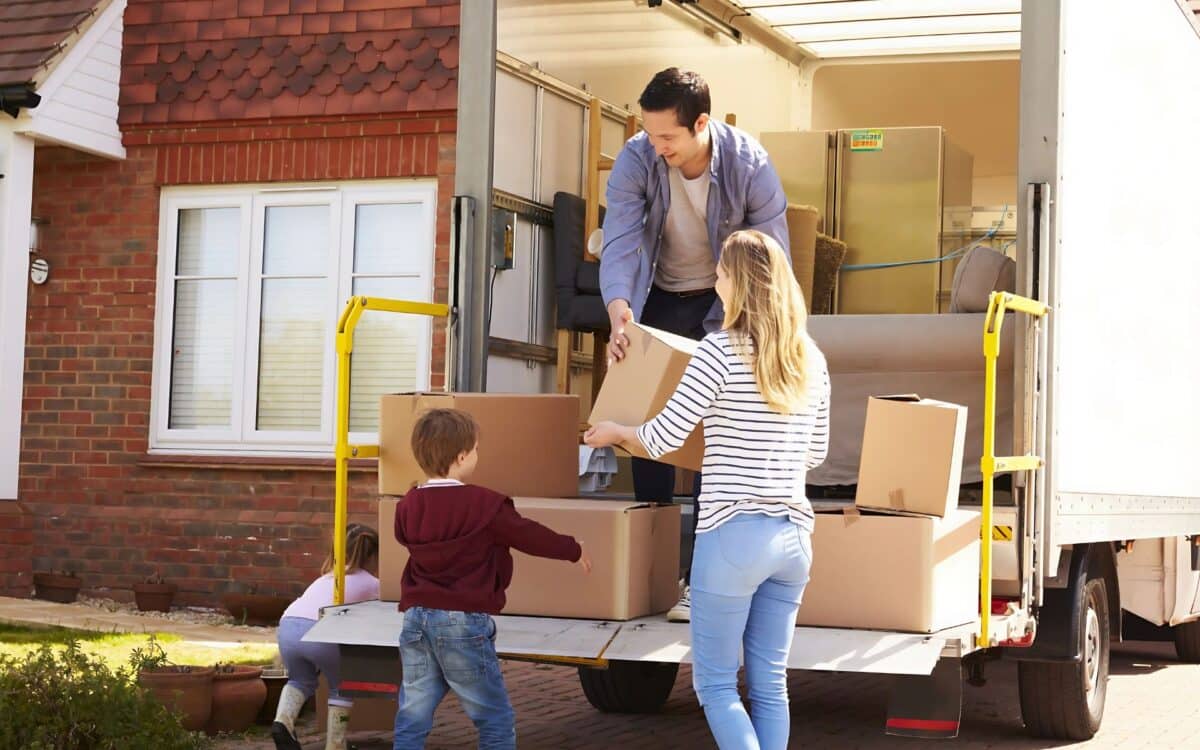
(34, 35)
(278, 58)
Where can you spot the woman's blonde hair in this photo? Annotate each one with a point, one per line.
(767, 316)
(362, 543)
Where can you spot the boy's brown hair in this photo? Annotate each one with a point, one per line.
(440, 436)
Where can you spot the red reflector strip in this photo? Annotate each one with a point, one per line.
(370, 687)
(925, 725)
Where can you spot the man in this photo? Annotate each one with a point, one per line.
(677, 190)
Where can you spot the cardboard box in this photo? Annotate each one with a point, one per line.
(637, 388)
(634, 549)
(912, 454)
(886, 572)
(528, 444)
(802, 224)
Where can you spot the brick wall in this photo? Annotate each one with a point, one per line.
(16, 549)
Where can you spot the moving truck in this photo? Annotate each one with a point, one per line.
(1078, 134)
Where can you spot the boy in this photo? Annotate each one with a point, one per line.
(458, 536)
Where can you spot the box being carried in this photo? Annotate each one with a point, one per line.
(637, 388)
(634, 549)
(528, 444)
(912, 454)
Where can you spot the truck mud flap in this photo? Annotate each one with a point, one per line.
(370, 671)
(927, 706)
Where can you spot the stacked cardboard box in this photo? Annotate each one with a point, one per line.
(529, 450)
(905, 557)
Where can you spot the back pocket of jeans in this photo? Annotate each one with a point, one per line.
(414, 656)
(740, 545)
(462, 659)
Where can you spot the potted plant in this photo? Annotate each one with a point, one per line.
(253, 608)
(187, 690)
(238, 695)
(154, 594)
(60, 586)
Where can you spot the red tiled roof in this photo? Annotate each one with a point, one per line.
(33, 33)
(202, 60)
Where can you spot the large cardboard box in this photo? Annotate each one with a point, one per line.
(634, 549)
(637, 388)
(528, 444)
(885, 572)
(802, 224)
(912, 454)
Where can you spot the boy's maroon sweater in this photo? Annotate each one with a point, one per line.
(458, 537)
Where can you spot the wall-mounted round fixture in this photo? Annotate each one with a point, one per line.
(39, 271)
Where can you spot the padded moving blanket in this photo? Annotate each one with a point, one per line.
(934, 356)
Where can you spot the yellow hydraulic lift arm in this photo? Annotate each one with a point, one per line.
(343, 451)
(998, 304)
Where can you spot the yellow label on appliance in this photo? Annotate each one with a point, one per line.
(866, 140)
(1002, 533)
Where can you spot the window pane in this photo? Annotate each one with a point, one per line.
(389, 238)
(292, 350)
(386, 347)
(202, 354)
(208, 242)
(296, 242)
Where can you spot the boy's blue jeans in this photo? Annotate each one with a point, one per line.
(443, 650)
(748, 576)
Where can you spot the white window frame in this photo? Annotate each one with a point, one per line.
(242, 437)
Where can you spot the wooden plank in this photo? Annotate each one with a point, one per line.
(562, 374)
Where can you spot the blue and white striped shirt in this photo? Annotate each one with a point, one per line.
(755, 459)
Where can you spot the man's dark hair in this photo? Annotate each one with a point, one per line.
(679, 90)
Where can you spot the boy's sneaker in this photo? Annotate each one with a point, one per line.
(682, 611)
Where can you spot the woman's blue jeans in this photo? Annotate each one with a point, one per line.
(748, 577)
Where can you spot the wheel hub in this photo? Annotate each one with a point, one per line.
(1091, 651)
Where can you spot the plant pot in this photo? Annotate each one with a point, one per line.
(185, 690)
(274, 679)
(255, 609)
(56, 588)
(154, 597)
(237, 697)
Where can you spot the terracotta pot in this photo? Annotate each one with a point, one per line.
(256, 609)
(274, 679)
(186, 692)
(154, 597)
(56, 588)
(237, 697)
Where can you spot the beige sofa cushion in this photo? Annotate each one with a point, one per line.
(981, 272)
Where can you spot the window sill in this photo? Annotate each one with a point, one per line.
(252, 463)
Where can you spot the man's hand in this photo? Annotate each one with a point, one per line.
(618, 315)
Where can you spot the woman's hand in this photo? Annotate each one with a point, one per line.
(605, 434)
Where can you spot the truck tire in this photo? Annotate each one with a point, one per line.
(1065, 700)
(629, 687)
(1187, 641)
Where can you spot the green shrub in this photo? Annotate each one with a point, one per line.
(62, 699)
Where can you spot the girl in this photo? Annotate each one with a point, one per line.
(761, 388)
(305, 660)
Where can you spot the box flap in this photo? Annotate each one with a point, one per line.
(905, 397)
(675, 341)
(580, 504)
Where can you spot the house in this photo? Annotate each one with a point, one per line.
(208, 181)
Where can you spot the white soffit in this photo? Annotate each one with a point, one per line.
(865, 28)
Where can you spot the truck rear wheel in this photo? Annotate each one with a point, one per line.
(1065, 700)
(629, 687)
(1187, 641)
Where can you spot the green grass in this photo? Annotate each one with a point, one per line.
(114, 648)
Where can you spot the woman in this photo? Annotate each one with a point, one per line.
(761, 388)
(304, 661)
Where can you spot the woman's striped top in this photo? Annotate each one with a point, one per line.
(755, 459)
